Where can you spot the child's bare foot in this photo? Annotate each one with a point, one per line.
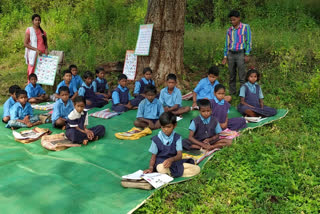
(85, 142)
(96, 138)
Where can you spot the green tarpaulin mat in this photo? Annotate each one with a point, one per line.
(82, 179)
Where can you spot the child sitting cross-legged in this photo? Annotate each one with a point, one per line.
(166, 149)
(77, 122)
(9, 103)
(100, 84)
(62, 108)
(171, 97)
(149, 109)
(121, 96)
(87, 91)
(35, 92)
(21, 115)
(204, 130)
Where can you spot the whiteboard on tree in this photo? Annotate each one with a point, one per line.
(46, 69)
(144, 40)
(130, 65)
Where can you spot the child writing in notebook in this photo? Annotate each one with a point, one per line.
(9, 103)
(251, 97)
(166, 149)
(77, 122)
(100, 84)
(36, 94)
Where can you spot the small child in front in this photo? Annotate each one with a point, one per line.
(100, 84)
(76, 79)
(67, 76)
(87, 91)
(166, 149)
(77, 122)
(205, 88)
(9, 103)
(62, 108)
(220, 110)
(171, 97)
(21, 115)
(251, 103)
(35, 92)
(121, 96)
(204, 130)
(149, 109)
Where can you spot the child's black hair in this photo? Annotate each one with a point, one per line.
(145, 70)
(87, 74)
(214, 70)
(79, 99)
(150, 88)
(33, 75)
(42, 32)
(203, 103)
(72, 66)
(167, 118)
(252, 71)
(218, 87)
(67, 71)
(98, 70)
(234, 13)
(122, 76)
(64, 88)
(13, 89)
(172, 77)
(21, 92)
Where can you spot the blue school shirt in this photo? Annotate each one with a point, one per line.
(77, 81)
(193, 127)
(61, 110)
(219, 102)
(167, 141)
(82, 91)
(205, 89)
(72, 87)
(115, 95)
(149, 110)
(137, 85)
(34, 91)
(170, 99)
(252, 89)
(18, 112)
(7, 106)
(95, 85)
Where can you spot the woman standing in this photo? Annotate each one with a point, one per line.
(35, 42)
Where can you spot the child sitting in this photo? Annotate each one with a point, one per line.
(166, 149)
(67, 76)
(62, 108)
(252, 98)
(77, 122)
(121, 96)
(220, 110)
(139, 86)
(9, 103)
(21, 115)
(171, 97)
(100, 84)
(204, 130)
(205, 88)
(87, 91)
(149, 109)
(35, 92)
(76, 79)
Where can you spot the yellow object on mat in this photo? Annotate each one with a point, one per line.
(133, 134)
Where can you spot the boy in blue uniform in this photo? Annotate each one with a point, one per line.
(204, 130)
(62, 108)
(9, 103)
(100, 84)
(171, 97)
(121, 96)
(35, 92)
(76, 79)
(67, 76)
(21, 115)
(166, 149)
(205, 88)
(149, 109)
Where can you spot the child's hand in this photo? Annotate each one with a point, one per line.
(207, 146)
(166, 109)
(88, 102)
(29, 124)
(224, 61)
(146, 171)
(167, 163)
(206, 141)
(90, 134)
(194, 104)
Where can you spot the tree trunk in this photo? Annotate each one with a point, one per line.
(166, 51)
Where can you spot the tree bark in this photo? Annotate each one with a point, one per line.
(166, 51)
